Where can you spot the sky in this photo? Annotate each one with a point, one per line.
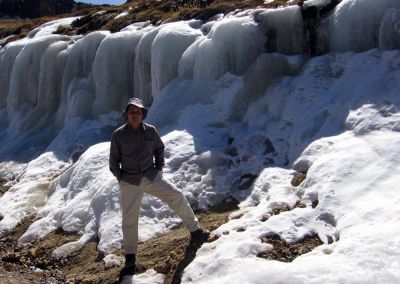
(99, 2)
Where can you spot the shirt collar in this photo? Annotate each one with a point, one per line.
(142, 127)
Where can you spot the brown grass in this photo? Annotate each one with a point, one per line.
(298, 178)
(168, 254)
(284, 252)
(139, 10)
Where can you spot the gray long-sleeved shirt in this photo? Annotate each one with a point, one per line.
(135, 153)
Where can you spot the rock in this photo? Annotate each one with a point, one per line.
(164, 266)
(247, 180)
(312, 14)
(265, 217)
(11, 257)
(269, 147)
(10, 267)
(38, 273)
(298, 178)
(33, 251)
(213, 238)
(232, 151)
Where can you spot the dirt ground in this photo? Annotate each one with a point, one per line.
(168, 254)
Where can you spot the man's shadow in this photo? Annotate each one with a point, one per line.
(188, 257)
(190, 254)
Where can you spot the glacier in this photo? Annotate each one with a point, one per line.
(233, 96)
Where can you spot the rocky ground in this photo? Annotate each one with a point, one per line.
(155, 11)
(33, 263)
(168, 254)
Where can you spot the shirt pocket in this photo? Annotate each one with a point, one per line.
(128, 148)
(148, 146)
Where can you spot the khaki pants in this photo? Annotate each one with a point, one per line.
(131, 197)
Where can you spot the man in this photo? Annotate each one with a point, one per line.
(136, 160)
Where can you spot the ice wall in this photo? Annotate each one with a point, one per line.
(35, 91)
(166, 51)
(389, 30)
(230, 46)
(69, 77)
(284, 29)
(113, 71)
(358, 25)
(77, 84)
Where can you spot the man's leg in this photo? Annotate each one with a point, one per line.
(169, 194)
(130, 197)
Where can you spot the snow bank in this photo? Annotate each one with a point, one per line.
(50, 27)
(352, 177)
(24, 198)
(148, 277)
(34, 185)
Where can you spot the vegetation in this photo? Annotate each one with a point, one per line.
(105, 17)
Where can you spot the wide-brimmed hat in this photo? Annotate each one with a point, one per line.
(136, 102)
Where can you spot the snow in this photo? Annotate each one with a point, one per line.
(358, 199)
(120, 15)
(148, 277)
(317, 3)
(111, 260)
(226, 109)
(50, 27)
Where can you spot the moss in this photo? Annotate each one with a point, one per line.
(92, 22)
(200, 14)
(139, 10)
(284, 252)
(298, 178)
(118, 24)
(64, 30)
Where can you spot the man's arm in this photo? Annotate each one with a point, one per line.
(115, 158)
(158, 151)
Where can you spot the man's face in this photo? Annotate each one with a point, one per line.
(135, 115)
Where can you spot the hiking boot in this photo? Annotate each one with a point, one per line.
(130, 265)
(200, 235)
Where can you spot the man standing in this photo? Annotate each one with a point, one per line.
(136, 160)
